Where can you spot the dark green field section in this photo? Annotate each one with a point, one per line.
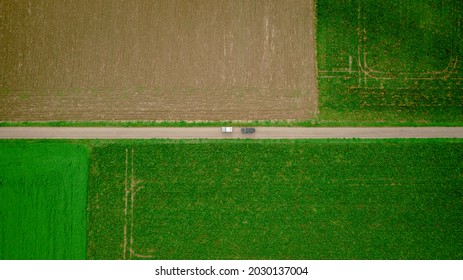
(43, 200)
(343, 199)
(390, 61)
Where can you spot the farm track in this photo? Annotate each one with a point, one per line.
(214, 133)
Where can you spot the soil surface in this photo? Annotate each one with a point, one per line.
(157, 60)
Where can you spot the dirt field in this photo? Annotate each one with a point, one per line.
(157, 60)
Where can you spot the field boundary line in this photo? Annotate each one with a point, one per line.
(433, 75)
(132, 199)
(359, 43)
(135, 187)
(126, 192)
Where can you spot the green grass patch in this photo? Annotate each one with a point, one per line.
(304, 199)
(43, 199)
(390, 61)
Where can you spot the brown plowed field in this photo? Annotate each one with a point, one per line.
(157, 60)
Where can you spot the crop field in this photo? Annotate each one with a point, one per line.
(338, 199)
(390, 60)
(157, 60)
(43, 199)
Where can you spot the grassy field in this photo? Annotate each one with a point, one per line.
(43, 199)
(402, 65)
(343, 199)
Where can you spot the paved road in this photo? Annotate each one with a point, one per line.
(215, 132)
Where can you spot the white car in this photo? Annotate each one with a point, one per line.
(227, 129)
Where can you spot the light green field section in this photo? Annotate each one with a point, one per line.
(43, 200)
(343, 199)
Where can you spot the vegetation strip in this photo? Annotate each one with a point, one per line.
(308, 123)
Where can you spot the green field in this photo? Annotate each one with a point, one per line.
(43, 200)
(338, 199)
(390, 61)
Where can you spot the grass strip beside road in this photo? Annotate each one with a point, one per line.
(308, 123)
